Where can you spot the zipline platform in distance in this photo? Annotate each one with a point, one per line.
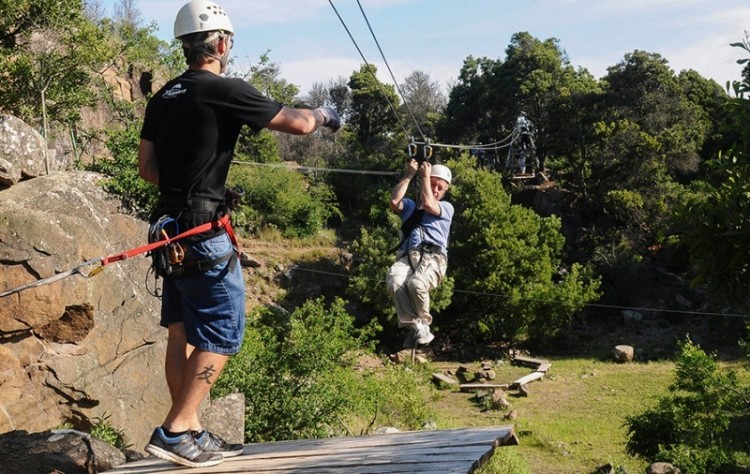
(436, 452)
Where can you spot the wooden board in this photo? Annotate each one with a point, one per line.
(436, 452)
(470, 387)
(527, 378)
(527, 361)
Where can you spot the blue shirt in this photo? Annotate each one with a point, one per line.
(435, 229)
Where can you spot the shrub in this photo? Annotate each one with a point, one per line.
(507, 261)
(295, 371)
(138, 196)
(701, 426)
(283, 199)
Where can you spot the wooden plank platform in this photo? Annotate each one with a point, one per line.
(437, 452)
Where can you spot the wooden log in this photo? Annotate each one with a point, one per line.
(527, 361)
(544, 367)
(527, 378)
(442, 378)
(470, 387)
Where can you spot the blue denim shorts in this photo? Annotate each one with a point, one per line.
(211, 304)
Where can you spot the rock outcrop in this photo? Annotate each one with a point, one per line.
(24, 153)
(78, 348)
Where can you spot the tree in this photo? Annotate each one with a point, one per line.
(334, 93)
(423, 101)
(644, 90)
(49, 52)
(373, 107)
(265, 76)
(490, 94)
(507, 262)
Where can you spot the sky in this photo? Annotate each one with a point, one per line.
(306, 39)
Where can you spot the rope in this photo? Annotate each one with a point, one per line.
(589, 305)
(393, 77)
(104, 261)
(308, 169)
(369, 68)
(50, 280)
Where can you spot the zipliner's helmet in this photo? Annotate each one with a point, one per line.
(442, 172)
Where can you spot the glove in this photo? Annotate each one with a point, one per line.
(331, 118)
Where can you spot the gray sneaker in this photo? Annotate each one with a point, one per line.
(212, 443)
(422, 334)
(182, 450)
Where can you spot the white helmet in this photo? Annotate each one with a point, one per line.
(442, 172)
(201, 15)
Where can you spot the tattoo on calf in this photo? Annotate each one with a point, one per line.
(207, 373)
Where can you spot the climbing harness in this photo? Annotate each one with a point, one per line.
(221, 224)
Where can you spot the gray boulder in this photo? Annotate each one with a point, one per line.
(24, 153)
(56, 451)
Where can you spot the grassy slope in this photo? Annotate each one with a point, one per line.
(572, 421)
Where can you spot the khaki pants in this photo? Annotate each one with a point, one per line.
(410, 289)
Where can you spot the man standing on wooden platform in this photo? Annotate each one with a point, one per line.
(187, 143)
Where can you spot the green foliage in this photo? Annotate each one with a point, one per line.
(295, 371)
(48, 53)
(505, 460)
(715, 223)
(138, 195)
(103, 430)
(393, 396)
(513, 256)
(281, 198)
(372, 106)
(701, 425)
(265, 76)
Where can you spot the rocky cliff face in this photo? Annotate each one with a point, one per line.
(80, 347)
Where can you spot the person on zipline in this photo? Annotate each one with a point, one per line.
(422, 256)
(188, 137)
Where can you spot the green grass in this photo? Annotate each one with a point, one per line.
(572, 421)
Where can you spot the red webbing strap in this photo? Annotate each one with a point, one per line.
(222, 222)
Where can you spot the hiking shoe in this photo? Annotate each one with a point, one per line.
(422, 334)
(211, 443)
(182, 450)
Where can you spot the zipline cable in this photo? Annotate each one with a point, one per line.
(393, 77)
(591, 305)
(369, 68)
(305, 169)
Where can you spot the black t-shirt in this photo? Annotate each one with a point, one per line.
(194, 122)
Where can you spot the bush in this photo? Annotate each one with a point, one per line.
(295, 371)
(507, 261)
(393, 396)
(283, 199)
(701, 426)
(138, 196)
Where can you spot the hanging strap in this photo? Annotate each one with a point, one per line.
(408, 226)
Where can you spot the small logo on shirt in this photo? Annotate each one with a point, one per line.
(174, 91)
